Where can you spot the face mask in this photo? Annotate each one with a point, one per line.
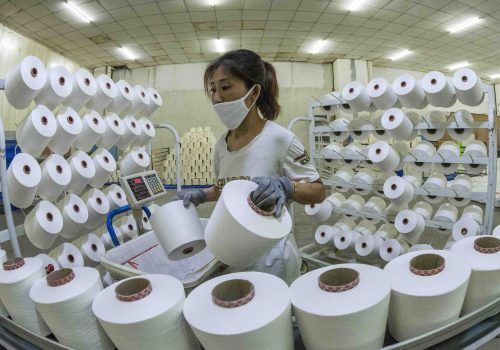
(232, 113)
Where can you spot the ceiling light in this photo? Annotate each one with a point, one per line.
(458, 65)
(464, 25)
(79, 12)
(318, 47)
(356, 5)
(212, 3)
(495, 76)
(7, 43)
(127, 53)
(219, 46)
(400, 55)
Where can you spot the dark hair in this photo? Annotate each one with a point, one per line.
(249, 67)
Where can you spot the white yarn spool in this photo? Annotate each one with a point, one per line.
(438, 89)
(98, 207)
(365, 227)
(392, 248)
(146, 225)
(132, 132)
(324, 235)
(105, 165)
(91, 247)
(463, 118)
(75, 214)
(344, 224)
(263, 319)
(23, 178)
(496, 231)
(155, 101)
(82, 171)
(84, 88)
(436, 181)
(116, 196)
(58, 87)
(438, 120)
(114, 130)
(409, 91)
(375, 205)
(336, 199)
(69, 126)
(386, 231)
(178, 241)
(49, 264)
(484, 285)
(148, 132)
(238, 233)
(43, 224)
(426, 149)
(67, 255)
(364, 177)
(385, 157)
(378, 184)
(464, 228)
(140, 101)
(449, 244)
(461, 183)
(414, 178)
(92, 130)
(392, 210)
(106, 238)
(145, 313)
(135, 161)
(124, 97)
(396, 122)
(346, 305)
(368, 246)
(361, 128)
(320, 212)
(346, 240)
(36, 130)
(106, 92)
(355, 95)
(468, 87)
(473, 150)
(332, 151)
(153, 207)
(16, 279)
(350, 151)
(418, 247)
(475, 212)
(446, 213)
(336, 134)
(24, 82)
(428, 289)
(344, 174)
(415, 119)
(403, 149)
(447, 150)
(128, 228)
(354, 203)
(381, 93)
(380, 133)
(399, 191)
(424, 209)
(410, 224)
(56, 175)
(64, 300)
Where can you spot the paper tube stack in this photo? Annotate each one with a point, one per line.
(346, 305)
(84, 88)
(16, 278)
(92, 249)
(248, 310)
(64, 300)
(179, 241)
(74, 213)
(58, 87)
(106, 92)
(82, 171)
(428, 290)
(145, 313)
(67, 255)
(43, 224)
(35, 131)
(238, 232)
(56, 175)
(468, 86)
(23, 178)
(320, 212)
(24, 82)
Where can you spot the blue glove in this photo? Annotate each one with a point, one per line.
(196, 197)
(272, 192)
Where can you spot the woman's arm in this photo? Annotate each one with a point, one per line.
(212, 194)
(309, 193)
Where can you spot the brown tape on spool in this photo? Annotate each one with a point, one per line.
(233, 293)
(487, 245)
(338, 280)
(60, 277)
(257, 209)
(427, 264)
(133, 289)
(13, 264)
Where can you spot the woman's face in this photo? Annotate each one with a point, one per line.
(225, 87)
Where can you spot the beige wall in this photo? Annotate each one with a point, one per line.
(13, 48)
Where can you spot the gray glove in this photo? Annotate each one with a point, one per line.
(196, 197)
(272, 191)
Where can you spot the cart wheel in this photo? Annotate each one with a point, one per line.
(304, 268)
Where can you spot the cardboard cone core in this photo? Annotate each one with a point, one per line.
(338, 280)
(427, 264)
(487, 245)
(233, 293)
(60, 277)
(133, 289)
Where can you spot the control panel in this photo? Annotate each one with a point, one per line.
(142, 188)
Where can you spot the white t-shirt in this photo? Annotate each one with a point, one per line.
(276, 151)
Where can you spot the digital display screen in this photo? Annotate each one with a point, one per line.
(138, 188)
(137, 180)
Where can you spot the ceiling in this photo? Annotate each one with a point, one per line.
(180, 31)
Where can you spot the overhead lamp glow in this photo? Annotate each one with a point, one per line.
(212, 3)
(400, 55)
(318, 47)
(127, 53)
(495, 76)
(458, 65)
(356, 5)
(464, 25)
(219, 46)
(78, 12)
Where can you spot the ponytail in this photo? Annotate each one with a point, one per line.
(268, 100)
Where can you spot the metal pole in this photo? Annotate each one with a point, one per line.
(177, 152)
(492, 161)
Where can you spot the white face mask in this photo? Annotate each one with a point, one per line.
(232, 113)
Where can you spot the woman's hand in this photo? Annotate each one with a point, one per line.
(272, 192)
(196, 197)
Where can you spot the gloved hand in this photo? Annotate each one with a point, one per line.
(196, 197)
(272, 191)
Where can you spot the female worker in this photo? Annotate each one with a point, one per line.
(244, 93)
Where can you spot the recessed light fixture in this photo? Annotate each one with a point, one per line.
(79, 12)
(458, 65)
(212, 3)
(356, 5)
(127, 53)
(400, 54)
(219, 45)
(495, 76)
(464, 24)
(318, 46)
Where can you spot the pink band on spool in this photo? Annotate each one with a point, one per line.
(233, 293)
(133, 289)
(487, 245)
(338, 280)
(60, 277)
(257, 209)
(427, 264)
(13, 264)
